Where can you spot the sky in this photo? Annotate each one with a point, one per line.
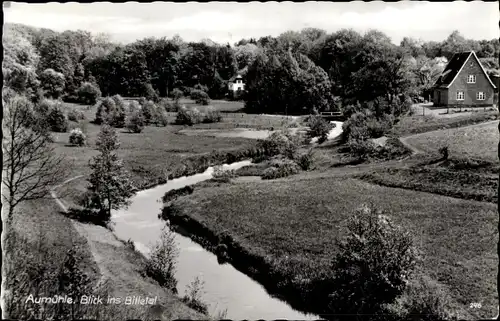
(231, 21)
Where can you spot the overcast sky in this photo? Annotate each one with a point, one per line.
(229, 22)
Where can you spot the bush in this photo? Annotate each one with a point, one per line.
(361, 148)
(423, 301)
(445, 152)
(373, 263)
(77, 137)
(177, 94)
(319, 127)
(57, 119)
(192, 297)
(201, 87)
(279, 143)
(175, 193)
(220, 175)
(281, 169)
(117, 114)
(160, 118)
(165, 105)
(134, 106)
(162, 261)
(88, 93)
(150, 93)
(212, 116)
(363, 125)
(104, 107)
(305, 161)
(43, 108)
(135, 122)
(148, 112)
(379, 127)
(142, 101)
(200, 97)
(188, 116)
(75, 115)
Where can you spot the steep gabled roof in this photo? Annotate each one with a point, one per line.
(454, 67)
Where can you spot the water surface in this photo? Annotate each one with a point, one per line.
(225, 287)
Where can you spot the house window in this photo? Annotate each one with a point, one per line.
(480, 95)
(460, 95)
(471, 79)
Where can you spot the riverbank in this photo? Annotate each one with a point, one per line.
(291, 256)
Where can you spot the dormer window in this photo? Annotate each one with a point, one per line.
(471, 79)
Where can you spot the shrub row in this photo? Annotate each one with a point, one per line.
(365, 149)
(460, 184)
(133, 115)
(193, 116)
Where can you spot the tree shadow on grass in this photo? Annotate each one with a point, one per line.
(86, 216)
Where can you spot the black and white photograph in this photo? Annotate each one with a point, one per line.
(251, 161)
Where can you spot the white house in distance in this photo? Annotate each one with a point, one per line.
(236, 85)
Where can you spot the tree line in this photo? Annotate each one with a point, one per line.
(295, 72)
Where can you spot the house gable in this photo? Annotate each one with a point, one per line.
(472, 55)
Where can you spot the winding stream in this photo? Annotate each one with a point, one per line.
(225, 287)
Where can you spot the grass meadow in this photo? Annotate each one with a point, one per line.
(298, 231)
(417, 124)
(479, 141)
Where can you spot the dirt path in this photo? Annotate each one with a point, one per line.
(82, 231)
(121, 266)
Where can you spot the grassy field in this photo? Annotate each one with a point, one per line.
(420, 124)
(298, 231)
(148, 156)
(221, 105)
(473, 142)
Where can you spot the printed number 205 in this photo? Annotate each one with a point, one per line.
(475, 305)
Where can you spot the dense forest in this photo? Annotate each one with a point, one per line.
(296, 72)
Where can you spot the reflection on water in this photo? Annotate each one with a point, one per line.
(225, 287)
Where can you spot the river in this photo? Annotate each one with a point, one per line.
(225, 287)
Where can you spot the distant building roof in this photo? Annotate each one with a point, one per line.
(454, 67)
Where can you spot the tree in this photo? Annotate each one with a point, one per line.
(335, 53)
(286, 83)
(30, 166)
(453, 44)
(426, 71)
(52, 82)
(19, 63)
(373, 264)
(109, 184)
(412, 46)
(88, 93)
(245, 55)
(55, 54)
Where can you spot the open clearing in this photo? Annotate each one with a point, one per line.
(458, 237)
(417, 124)
(480, 141)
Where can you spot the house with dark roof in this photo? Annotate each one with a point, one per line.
(464, 82)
